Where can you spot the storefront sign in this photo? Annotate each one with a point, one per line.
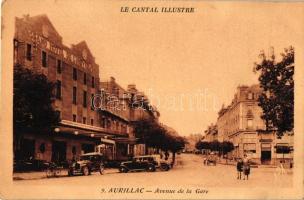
(67, 56)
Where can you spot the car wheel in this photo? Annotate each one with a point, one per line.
(101, 169)
(165, 167)
(123, 170)
(70, 172)
(49, 173)
(85, 171)
(151, 168)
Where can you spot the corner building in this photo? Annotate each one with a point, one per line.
(38, 46)
(241, 123)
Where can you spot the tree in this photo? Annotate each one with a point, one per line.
(151, 133)
(202, 145)
(277, 98)
(33, 98)
(174, 143)
(226, 147)
(215, 145)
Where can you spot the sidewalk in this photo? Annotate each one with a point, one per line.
(41, 175)
(231, 162)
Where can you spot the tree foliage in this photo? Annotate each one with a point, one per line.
(151, 133)
(277, 98)
(222, 147)
(33, 97)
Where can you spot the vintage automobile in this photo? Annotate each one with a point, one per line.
(210, 159)
(89, 162)
(144, 163)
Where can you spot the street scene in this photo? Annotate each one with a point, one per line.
(190, 172)
(97, 106)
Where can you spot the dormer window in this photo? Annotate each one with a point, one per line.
(250, 95)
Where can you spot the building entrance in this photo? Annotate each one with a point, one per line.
(58, 151)
(266, 153)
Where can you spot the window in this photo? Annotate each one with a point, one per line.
(249, 123)
(74, 118)
(58, 113)
(249, 148)
(58, 89)
(92, 122)
(84, 99)
(74, 73)
(93, 82)
(91, 100)
(29, 52)
(74, 95)
(74, 150)
(84, 78)
(59, 66)
(84, 120)
(103, 122)
(282, 148)
(250, 96)
(44, 59)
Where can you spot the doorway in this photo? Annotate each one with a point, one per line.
(266, 153)
(58, 151)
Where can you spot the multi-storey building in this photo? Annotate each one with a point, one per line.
(38, 46)
(241, 123)
(114, 115)
(83, 127)
(211, 133)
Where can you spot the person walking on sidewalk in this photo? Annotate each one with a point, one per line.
(246, 167)
(239, 168)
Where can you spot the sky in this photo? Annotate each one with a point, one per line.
(188, 64)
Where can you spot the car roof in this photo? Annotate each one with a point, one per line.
(149, 156)
(92, 154)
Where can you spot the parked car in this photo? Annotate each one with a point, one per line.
(29, 165)
(89, 162)
(210, 159)
(144, 163)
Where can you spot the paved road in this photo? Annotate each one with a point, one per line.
(191, 173)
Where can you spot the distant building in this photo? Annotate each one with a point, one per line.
(192, 139)
(241, 123)
(211, 134)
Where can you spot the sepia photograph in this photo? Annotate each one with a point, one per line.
(143, 99)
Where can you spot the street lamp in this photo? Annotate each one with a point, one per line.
(57, 130)
(76, 132)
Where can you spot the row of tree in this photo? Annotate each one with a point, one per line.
(222, 147)
(158, 136)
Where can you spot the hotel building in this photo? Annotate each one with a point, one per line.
(39, 47)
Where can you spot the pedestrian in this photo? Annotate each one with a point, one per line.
(239, 168)
(166, 155)
(281, 169)
(246, 167)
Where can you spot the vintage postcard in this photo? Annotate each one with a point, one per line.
(140, 99)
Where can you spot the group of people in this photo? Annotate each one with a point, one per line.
(243, 167)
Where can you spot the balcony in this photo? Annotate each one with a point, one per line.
(89, 130)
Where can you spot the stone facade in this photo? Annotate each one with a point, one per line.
(83, 128)
(241, 123)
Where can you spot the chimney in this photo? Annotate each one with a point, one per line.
(112, 79)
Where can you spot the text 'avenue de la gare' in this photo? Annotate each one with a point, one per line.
(126, 9)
